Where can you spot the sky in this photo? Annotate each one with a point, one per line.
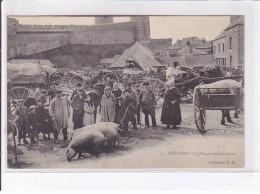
(175, 27)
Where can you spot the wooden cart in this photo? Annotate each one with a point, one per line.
(222, 99)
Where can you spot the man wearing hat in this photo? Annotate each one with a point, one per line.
(129, 106)
(21, 121)
(147, 102)
(117, 93)
(59, 111)
(77, 104)
(33, 125)
(108, 103)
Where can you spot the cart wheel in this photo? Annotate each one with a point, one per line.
(186, 95)
(55, 81)
(18, 93)
(76, 82)
(199, 114)
(112, 77)
(157, 86)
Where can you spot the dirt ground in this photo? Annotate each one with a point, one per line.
(220, 146)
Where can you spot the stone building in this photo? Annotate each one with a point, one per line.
(30, 40)
(228, 46)
(190, 57)
(195, 42)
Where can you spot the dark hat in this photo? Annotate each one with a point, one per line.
(146, 83)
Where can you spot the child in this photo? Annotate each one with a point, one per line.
(22, 114)
(88, 117)
(40, 118)
(32, 123)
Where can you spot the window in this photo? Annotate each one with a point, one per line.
(230, 60)
(219, 48)
(230, 43)
(221, 61)
(214, 49)
(223, 47)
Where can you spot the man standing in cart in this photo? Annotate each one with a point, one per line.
(147, 102)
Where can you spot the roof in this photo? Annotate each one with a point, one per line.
(107, 61)
(240, 21)
(191, 60)
(116, 56)
(221, 35)
(141, 56)
(32, 61)
(190, 50)
(194, 41)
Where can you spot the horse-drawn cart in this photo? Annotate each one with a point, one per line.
(24, 77)
(214, 98)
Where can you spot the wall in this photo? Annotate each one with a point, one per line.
(241, 47)
(159, 46)
(216, 52)
(233, 32)
(103, 34)
(29, 39)
(237, 50)
(27, 43)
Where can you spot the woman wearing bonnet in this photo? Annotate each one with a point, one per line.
(171, 111)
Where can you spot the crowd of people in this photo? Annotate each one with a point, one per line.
(123, 107)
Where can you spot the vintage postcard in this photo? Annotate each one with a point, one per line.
(125, 92)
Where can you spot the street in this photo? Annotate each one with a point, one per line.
(220, 146)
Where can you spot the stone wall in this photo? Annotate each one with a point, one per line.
(104, 34)
(159, 46)
(29, 39)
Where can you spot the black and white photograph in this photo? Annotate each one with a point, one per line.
(125, 92)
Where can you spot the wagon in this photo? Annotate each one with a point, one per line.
(24, 77)
(221, 99)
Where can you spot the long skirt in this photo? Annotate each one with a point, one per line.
(171, 113)
(88, 119)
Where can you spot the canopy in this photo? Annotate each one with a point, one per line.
(28, 73)
(49, 69)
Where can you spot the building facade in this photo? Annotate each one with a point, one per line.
(195, 42)
(228, 47)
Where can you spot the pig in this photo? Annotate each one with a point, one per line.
(85, 142)
(109, 130)
(110, 135)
